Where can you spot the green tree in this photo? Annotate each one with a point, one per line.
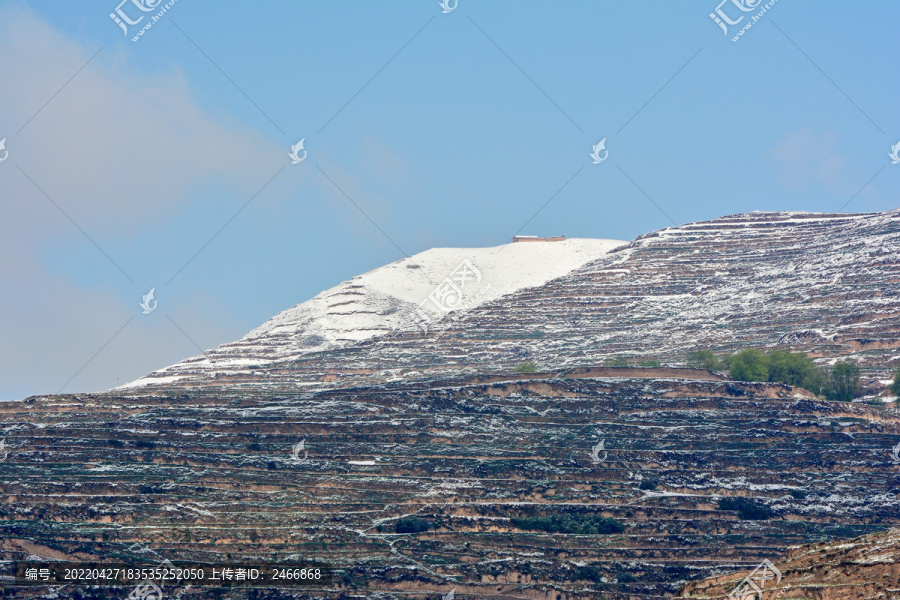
(895, 387)
(795, 368)
(650, 362)
(569, 523)
(844, 381)
(749, 365)
(705, 359)
(779, 366)
(816, 382)
(411, 525)
(792, 368)
(618, 361)
(747, 508)
(526, 367)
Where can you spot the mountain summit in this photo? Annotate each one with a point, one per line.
(421, 292)
(814, 282)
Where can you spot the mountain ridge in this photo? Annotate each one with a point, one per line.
(390, 298)
(821, 283)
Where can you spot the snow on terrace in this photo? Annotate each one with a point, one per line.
(387, 299)
(759, 223)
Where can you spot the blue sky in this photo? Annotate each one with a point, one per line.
(163, 163)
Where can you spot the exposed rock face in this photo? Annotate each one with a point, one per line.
(204, 476)
(864, 568)
(821, 283)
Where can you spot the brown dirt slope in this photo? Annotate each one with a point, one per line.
(858, 569)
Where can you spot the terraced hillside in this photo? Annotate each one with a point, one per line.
(394, 297)
(821, 283)
(864, 568)
(501, 472)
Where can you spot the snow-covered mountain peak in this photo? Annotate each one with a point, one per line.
(415, 292)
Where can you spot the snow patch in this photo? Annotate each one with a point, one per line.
(386, 300)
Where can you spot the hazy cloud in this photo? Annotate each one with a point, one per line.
(116, 149)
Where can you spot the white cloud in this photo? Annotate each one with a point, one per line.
(117, 149)
(118, 146)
